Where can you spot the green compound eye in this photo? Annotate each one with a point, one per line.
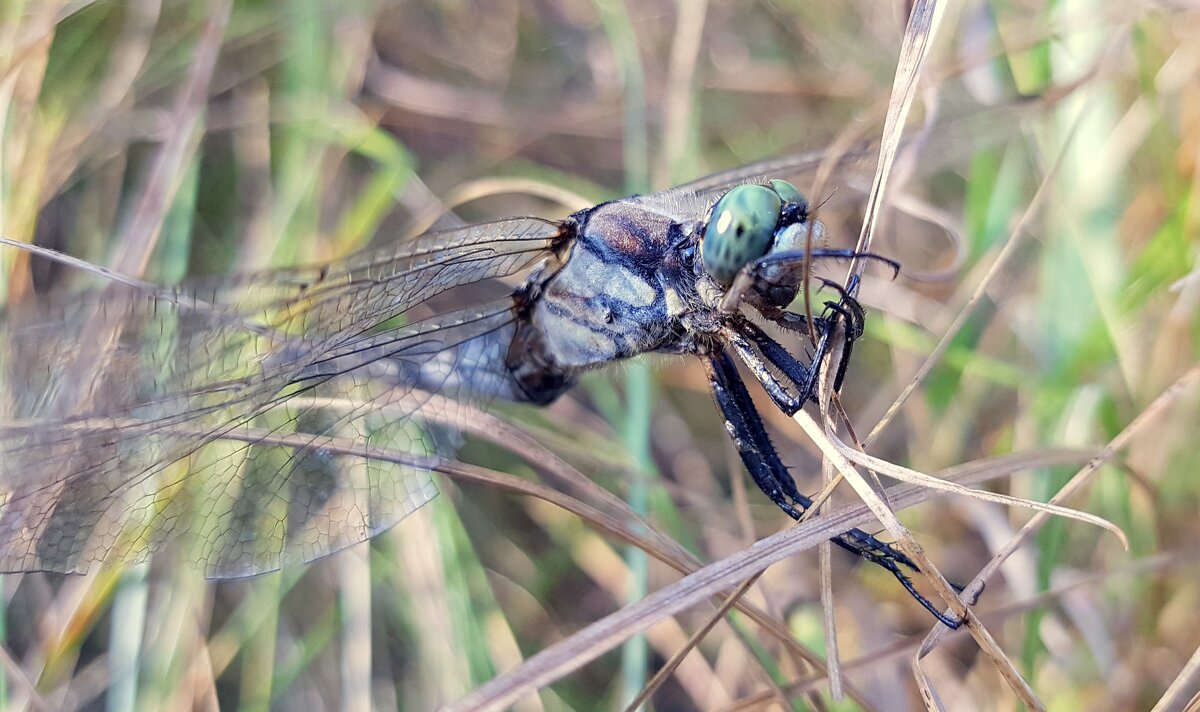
(740, 230)
(788, 193)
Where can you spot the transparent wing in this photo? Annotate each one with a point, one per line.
(946, 143)
(796, 167)
(691, 201)
(278, 418)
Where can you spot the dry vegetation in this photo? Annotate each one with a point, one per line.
(1045, 218)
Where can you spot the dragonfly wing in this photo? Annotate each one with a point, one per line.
(692, 201)
(946, 144)
(794, 166)
(261, 424)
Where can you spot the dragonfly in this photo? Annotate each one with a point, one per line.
(240, 424)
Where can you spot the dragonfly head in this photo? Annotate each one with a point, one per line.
(747, 223)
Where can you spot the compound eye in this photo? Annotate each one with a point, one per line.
(740, 230)
(789, 194)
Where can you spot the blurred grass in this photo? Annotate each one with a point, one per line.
(327, 126)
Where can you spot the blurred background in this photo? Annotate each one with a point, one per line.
(187, 140)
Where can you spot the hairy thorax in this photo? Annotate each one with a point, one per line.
(626, 287)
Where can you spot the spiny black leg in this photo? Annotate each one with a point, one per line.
(771, 280)
(729, 393)
(853, 331)
(769, 473)
(852, 312)
(793, 370)
(849, 308)
(734, 401)
(803, 378)
(792, 256)
(748, 431)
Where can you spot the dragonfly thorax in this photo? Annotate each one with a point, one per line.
(623, 290)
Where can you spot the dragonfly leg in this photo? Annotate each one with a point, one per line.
(793, 256)
(804, 378)
(746, 343)
(849, 307)
(733, 400)
(750, 341)
(754, 446)
(855, 318)
(798, 323)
